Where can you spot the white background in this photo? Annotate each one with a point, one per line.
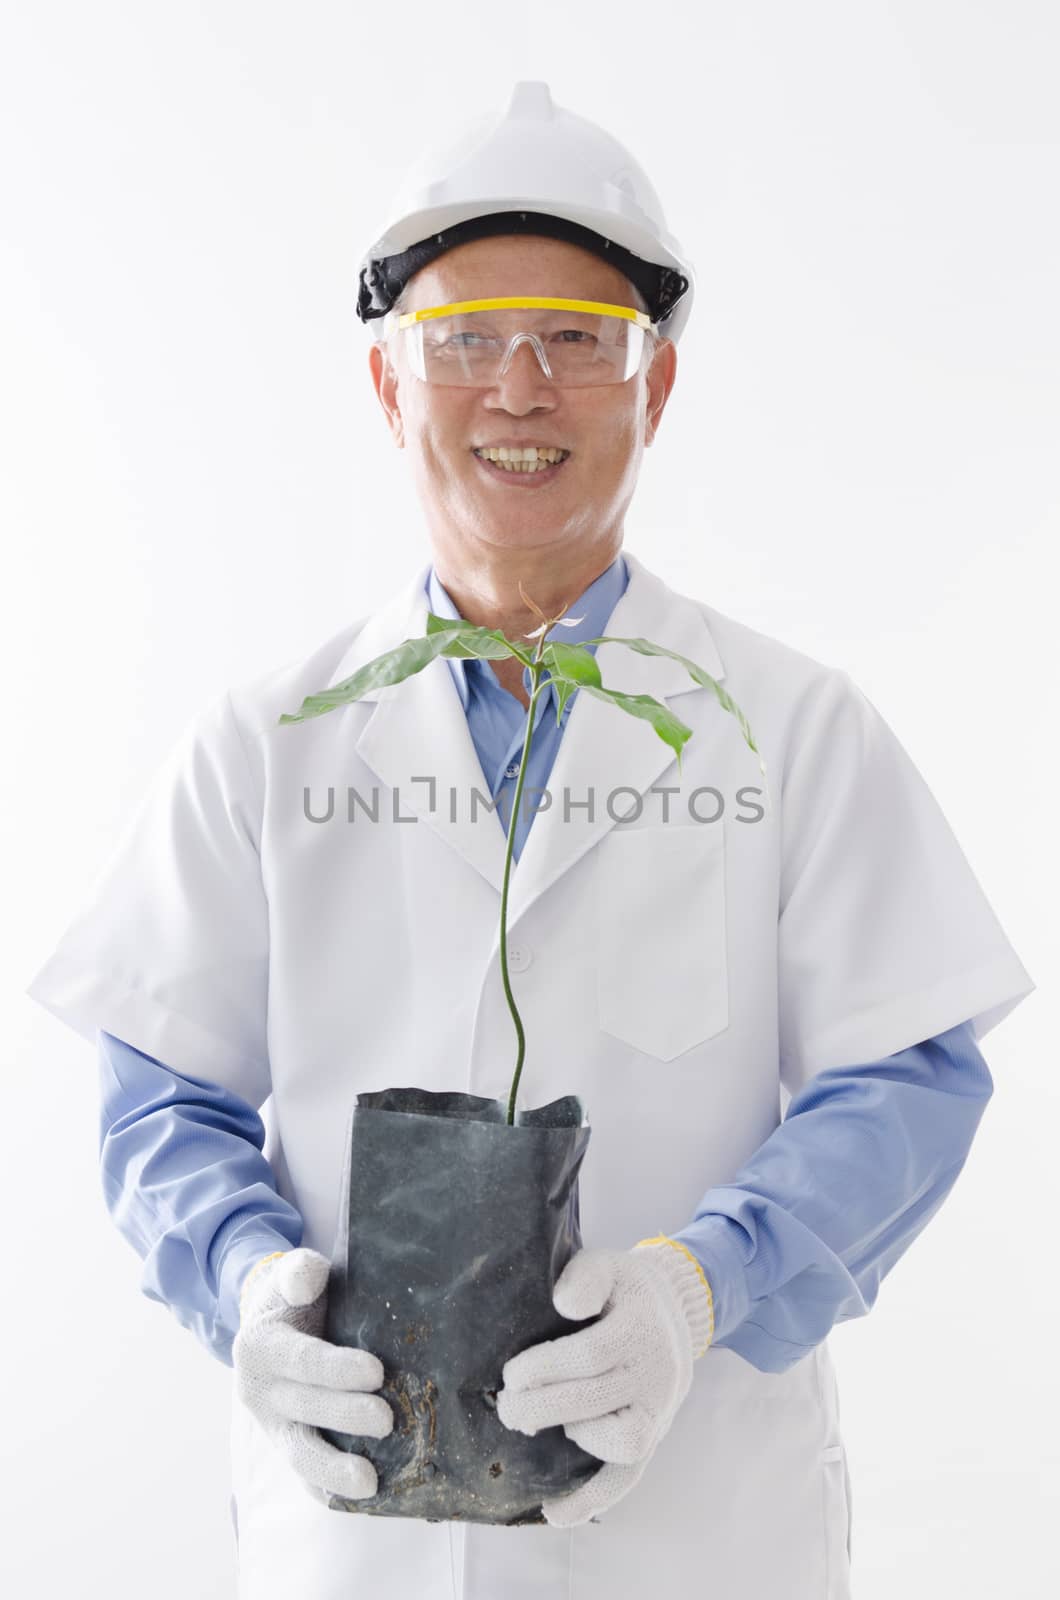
(859, 457)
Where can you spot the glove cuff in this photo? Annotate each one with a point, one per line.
(690, 1284)
(254, 1269)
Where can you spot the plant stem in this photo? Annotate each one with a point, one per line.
(535, 675)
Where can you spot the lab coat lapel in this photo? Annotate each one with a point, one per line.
(418, 730)
(417, 739)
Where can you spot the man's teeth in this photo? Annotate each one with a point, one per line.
(530, 458)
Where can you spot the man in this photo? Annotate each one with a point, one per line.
(686, 960)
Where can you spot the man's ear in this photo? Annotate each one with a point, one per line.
(385, 379)
(660, 380)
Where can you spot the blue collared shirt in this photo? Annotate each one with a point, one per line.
(792, 1246)
(497, 720)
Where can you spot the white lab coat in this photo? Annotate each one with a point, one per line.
(237, 940)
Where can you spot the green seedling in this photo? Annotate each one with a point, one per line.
(571, 667)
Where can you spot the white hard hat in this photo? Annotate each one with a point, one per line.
(537, 169)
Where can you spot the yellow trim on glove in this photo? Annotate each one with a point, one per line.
(662, 1238)
(251, 1273)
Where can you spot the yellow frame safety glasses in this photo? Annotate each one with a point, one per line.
(608, 348)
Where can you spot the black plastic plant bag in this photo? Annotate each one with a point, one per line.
(453, 1230)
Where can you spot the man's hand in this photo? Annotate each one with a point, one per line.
(295, 1382)
(615, 1387)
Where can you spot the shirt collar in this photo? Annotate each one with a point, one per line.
(594, 605)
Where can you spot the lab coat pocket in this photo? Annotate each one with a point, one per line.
(837, 1514)
(661, 961)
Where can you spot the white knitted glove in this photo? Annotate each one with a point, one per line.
(295, 1382)
(615, 1387)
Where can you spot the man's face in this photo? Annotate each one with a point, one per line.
(605, 428)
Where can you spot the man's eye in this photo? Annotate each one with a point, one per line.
(576, 335)
(462, 341)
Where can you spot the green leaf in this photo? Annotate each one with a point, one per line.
(569, 666)
(565, 687)
(572, 661)
(671, 729)
(469, 641)
(394, 666)
(645, 648)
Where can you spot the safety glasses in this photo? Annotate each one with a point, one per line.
(471, 343)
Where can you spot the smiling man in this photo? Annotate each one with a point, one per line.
(496, 518)
(769, 1003)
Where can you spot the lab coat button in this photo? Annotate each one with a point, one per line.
(519, 957)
